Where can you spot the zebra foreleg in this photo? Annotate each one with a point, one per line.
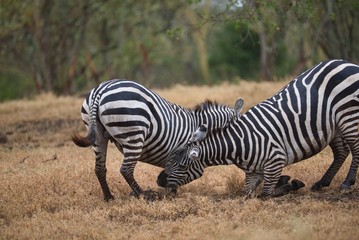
(127, 170)
(282, 186)
(272, 173)
(287, 188)
(252, 181)
(340, 151)
(294, 185)
(283, 180)
(352, 139)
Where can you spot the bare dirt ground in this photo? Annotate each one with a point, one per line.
(49, 190)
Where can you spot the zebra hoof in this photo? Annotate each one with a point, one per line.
(283, 180)
(263, 197)
(296, 184)
(133, 194)
(109, 198)
(319, 186)
(150, 195)
(347, 185)
(316, 187)
(345, 188)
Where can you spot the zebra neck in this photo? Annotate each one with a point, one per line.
(220, 150)
(216, 161)
(215, 119)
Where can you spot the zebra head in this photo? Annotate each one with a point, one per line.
(181, 160)
(185, 167)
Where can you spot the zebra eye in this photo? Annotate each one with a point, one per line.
(184, 164)
(183, 167)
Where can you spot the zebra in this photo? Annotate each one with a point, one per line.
(320, 107)
(142, 125)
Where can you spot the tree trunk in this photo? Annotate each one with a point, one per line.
(266, 65)
(145, 65)
(302, 58)
(199, 36)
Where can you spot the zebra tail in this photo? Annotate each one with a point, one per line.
(87, 141)
(90, 139)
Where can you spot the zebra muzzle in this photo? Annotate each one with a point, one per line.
(162, 179)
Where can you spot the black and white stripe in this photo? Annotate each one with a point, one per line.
(143, 126)
(318, 108)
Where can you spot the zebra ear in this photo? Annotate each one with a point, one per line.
(194, 154)
(238, 106)
(200, 133)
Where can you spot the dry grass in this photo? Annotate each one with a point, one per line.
(49, 190)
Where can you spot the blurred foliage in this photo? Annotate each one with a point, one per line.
(70, 46)
(12, 85)
(235, 52)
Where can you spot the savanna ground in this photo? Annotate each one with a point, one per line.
(49, 190)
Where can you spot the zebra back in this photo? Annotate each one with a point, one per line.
(161, 125)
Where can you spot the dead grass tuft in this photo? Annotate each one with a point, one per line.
(235, 183)
(49, 189)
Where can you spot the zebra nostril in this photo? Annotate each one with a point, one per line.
(162, 179)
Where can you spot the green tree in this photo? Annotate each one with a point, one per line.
(43, 38)
(66, 46)
(334, 27)
(235, 51)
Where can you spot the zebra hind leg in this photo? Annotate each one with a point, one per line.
(340, 151)
(352, 138)
(100, 150)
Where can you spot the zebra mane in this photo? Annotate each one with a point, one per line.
(209, 104)
(213, 131)
(206, 105)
